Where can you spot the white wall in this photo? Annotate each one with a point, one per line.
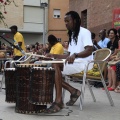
(34, 2)
(33, 38)
(33, 16)
(33, 19)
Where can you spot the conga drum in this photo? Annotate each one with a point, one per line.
(41, 85)
(10, 85)
(22, 92)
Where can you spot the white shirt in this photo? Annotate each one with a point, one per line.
(84, 39)
(103, 43)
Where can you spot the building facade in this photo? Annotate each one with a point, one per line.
(95, 14)
(56, 13)
(14, 15)
(30, 17)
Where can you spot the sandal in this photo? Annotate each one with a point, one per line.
(54, 108)
(117, 90)
(73, 98)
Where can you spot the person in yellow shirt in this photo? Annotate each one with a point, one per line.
(18, 39)
(56, 46)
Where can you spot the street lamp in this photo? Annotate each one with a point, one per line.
(43, 5)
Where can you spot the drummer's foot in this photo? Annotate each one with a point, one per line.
(73, 97)
(54, 108)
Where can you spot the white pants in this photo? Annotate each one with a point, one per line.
(69, 69)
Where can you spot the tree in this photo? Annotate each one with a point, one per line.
(3, 4)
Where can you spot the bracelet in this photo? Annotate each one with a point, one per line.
(76, 55)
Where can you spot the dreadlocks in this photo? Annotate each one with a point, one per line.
(75, 16)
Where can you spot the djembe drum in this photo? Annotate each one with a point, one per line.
(22, 100)
(10, 85)
(41, 85)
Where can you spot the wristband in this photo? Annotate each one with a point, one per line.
(76, 55)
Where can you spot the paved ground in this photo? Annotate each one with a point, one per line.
(101, 110)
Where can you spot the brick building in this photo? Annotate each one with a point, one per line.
(95, 14)
(56, 13)
(28, 16)
(36, 22)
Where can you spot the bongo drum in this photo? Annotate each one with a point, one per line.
(10, 85)
(22, 100)
(41, 85)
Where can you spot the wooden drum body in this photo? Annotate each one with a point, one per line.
(41, 85)
(23, 104)
(10, 85)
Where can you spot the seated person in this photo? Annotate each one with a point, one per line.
(65, 46)
(113, 43)
(113, 46)
(80, 49)
(56, 47)
(104, 40)
(113, 73)
(117, 89)
(46, 49)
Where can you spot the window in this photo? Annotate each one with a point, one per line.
(84, 18)
(59, 39)
(56, 13)
(33, 14)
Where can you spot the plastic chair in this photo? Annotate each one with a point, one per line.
(100, 57)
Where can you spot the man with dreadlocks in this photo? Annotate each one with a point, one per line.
(80, 49)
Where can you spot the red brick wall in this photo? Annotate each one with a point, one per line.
(57, 26)
(99, 12)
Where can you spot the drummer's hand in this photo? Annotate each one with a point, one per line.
(49, 55)
(70, 59)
